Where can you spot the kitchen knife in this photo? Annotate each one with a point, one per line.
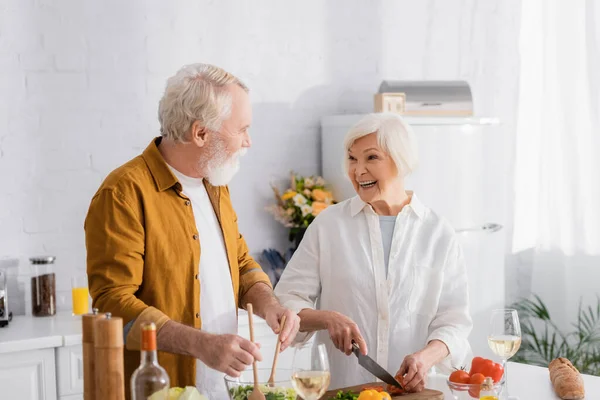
(370, 365)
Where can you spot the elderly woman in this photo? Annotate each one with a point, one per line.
(381, 268)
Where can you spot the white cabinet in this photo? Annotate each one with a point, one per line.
(69, 367)
(28, 375)
(46, 374)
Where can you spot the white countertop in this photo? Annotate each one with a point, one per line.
(63, 329)
(32, 333)
(527, 383)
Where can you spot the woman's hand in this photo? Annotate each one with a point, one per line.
(342, 331)
(415, 366)
(414, 369)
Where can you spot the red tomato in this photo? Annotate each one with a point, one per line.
(474, 392)
(459, 376)
(393, 390)
(476, 379)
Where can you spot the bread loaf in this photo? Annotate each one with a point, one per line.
(566, 380)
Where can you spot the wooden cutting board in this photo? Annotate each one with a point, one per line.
(426, 394)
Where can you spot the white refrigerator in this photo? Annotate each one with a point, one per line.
(462, 176)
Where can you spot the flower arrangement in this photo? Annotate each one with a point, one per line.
(298, 206)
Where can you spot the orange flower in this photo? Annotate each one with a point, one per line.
(321, 195)
(317, 207)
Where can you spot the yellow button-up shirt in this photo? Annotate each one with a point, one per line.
(143, 253)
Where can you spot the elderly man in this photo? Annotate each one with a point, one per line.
(163, 243)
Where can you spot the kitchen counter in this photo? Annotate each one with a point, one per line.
(32, 333)
(63, 329)
(527, 382)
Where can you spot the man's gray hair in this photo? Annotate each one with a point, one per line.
(195, 93)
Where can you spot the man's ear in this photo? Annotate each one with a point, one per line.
(199, 134)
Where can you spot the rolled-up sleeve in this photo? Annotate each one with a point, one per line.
(452, 323)
(115, 240)
(300, 284)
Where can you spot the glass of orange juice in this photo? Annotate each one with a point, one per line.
(79, 294)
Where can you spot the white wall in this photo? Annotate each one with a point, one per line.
(80, 82)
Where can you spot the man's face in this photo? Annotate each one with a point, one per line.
(232, 140)
(235, 130)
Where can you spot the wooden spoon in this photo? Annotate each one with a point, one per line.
(277, 348)
(256, 394)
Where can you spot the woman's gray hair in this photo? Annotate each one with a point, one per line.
(394, 136)
(195, 93)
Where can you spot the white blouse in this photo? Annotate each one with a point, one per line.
(339, 266)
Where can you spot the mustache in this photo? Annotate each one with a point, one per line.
(241, 152)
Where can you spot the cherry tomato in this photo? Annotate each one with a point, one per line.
(393, 390)
(477, 378)
(459, 376)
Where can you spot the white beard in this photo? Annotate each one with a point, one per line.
(221, 172)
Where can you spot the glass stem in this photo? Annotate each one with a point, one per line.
(504, 365)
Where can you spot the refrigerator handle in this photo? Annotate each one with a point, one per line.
(488, 227)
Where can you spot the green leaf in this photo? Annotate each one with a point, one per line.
(544, 341)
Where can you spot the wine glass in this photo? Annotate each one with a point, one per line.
(310, 371)
(505, 338)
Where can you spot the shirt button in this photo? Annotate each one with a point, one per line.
(197, 315)
(187, 203)
(196, 276)
(195, 237)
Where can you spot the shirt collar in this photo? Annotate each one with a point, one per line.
(357, 205)
(163, 177)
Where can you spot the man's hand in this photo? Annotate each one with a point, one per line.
(230, 354)
(273, 316)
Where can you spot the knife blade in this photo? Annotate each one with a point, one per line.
(371, 365)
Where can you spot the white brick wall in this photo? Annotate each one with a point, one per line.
(80, 82)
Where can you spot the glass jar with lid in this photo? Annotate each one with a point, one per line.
(43, 286)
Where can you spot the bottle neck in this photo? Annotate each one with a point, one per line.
(148, 357)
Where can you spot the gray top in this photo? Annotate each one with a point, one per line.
(387, 224)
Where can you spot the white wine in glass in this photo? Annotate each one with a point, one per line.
(505, 338)
(504, 346)
(310, 374)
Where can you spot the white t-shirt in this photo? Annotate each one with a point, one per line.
(217, 304)
(387, 224)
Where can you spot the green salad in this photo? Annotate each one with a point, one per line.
(271, 393)
(341, 395)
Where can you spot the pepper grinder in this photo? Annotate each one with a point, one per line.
(88, 322)
(108, 352)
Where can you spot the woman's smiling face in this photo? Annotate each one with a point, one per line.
(372, 171)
